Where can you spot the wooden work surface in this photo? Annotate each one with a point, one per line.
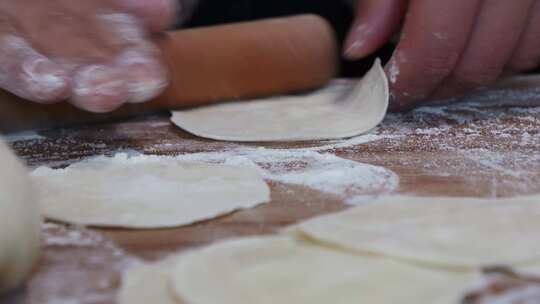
(480, 148)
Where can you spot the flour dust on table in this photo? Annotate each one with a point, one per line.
(351, 181)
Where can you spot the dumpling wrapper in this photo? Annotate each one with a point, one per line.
(147, 284)
(341, 110)
(145, 191)
(284, 270)
(445, 232)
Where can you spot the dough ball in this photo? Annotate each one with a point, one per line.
(19, 221)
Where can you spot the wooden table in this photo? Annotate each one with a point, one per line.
(479, 148)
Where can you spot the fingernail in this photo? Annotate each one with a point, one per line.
(356, 41)
(45, 80)
(99, 88)
(351, 51)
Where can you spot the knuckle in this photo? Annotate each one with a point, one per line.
(126, 26)
(43, 80)
(438, 64)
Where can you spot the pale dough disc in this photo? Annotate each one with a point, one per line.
(449, 232)
(145, 191)
(283, 270)
(340, 111)
(19, 221)
(147, 284)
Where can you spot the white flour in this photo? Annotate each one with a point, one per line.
(350, 142)
(67, 250)
(23, 136)
(350, 180)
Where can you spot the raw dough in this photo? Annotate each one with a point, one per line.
(339, 111)
(146, 191)
(147, 284)
(282, 270)
(19, 221)
(449, 232)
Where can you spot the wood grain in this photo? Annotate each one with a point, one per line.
(471, 149)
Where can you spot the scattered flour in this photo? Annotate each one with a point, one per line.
(524, 295)
(506, 288)
(324, 172)
(393, 72)
(59, 235)
(23, 136)
(350, 142)
(74, 255)
(350, 180)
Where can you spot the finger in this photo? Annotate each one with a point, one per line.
(98, 88)
(96, 84)
(29, 74)
(72, 37)
(139, 59)
(376, 21)
(494, 39)
(157, 15)
(147, 78)
(527, 55)
(434, 36)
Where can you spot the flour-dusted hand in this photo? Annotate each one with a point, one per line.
(96, 54)
(448, 47)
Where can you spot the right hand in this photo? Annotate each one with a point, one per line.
(448, 48)
(95, 53)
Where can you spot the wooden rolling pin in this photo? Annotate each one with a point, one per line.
(212, 64)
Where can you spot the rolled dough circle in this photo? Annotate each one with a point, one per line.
(438, 231)
(19, 221)
(147, 284)
(145, 191)
(338, 111)
(284, 270)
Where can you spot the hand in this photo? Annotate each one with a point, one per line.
(447, 47)
(95, 53)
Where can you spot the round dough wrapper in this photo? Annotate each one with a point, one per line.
(146, 191)
(19, 221)
(147, 284)
(338, 111)
(284, 270)
(447, 232)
